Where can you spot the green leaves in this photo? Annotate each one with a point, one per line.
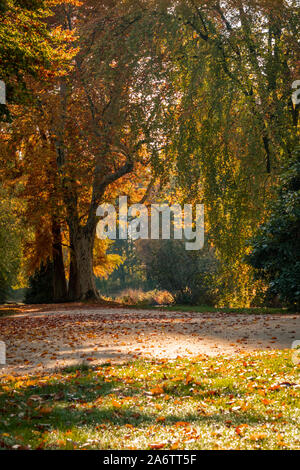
(276, 249)
(10, 244)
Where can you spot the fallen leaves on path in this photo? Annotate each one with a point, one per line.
(44, 340)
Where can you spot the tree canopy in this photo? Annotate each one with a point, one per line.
(192, 98)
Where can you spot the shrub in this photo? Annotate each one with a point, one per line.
(187, 275)
(276, 249)
(139, 297)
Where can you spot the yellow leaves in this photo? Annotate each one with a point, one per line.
(104, 263)
(280, 441)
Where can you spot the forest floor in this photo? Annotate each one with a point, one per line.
(44, 338)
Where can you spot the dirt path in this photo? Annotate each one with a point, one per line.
(41, 340)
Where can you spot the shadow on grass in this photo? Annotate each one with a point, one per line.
(75, 399)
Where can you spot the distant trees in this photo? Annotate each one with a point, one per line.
(275, 250)
(131, 273)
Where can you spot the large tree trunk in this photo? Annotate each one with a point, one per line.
(73, 277)
(59, 278)
(82, 281)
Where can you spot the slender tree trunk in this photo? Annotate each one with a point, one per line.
(59, 278)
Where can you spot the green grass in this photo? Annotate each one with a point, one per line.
(244, 402)
(208, 309)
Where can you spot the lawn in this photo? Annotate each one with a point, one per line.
(250, 401)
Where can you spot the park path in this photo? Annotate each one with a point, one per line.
(40, 339)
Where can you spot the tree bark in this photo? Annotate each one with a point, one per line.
(59, 277)
(82, 281)
(73, 282)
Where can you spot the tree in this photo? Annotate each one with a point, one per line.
(275, 250)
(232, 66)
(30, 54)
(103, 124)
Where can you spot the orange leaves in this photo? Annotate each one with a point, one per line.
(177, 402)
(45, 410)
(188, 379)
(157, 445)
(240, 429)
(181, 424)
(258, 436)
(160, 419)
(157, 391)
(116, 404)
(175, 446)
(266, 402)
